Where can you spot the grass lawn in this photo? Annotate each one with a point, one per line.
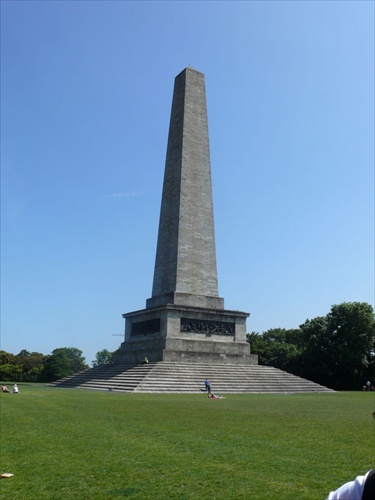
(76, 444)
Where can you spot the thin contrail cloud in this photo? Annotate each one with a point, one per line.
(124, 194)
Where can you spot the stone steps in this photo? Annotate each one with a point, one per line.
(168, 377)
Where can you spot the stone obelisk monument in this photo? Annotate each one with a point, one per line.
(185, 320)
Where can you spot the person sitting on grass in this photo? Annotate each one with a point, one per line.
(4, 388)
(15, 389)
(214, 396)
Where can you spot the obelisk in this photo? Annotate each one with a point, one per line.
(185, 267)
(185, 320)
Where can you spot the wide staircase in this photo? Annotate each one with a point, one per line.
(167, 377)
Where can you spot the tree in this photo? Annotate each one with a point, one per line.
(339, 347)
(10, 372)
(258, 346)
(63, 362)
(25, 366)
(6, 358)
(316, 358)
(32, 364)
(103, 357)
(336, 350)
(277, 347)
(283, 336)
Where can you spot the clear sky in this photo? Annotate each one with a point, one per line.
(86, 92)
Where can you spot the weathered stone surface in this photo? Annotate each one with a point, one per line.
(172, 377)
(187, 351)
(185, 319)
(186, 257)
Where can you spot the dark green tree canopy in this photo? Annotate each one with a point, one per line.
(103, 357)
(340, 346)
(336, 350)
(25, 366)
(63, 362)
(277, 347)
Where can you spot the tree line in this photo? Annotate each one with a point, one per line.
(336, 350)
(37, 367)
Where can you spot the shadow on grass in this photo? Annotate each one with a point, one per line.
(127, 492)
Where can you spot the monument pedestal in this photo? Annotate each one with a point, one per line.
(181, 333)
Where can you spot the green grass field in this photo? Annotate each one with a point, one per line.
(76, 444)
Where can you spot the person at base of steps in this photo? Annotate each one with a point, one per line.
(144, 361)
(362, 488)
(207, 386)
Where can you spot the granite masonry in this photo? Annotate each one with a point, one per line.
(185, 320)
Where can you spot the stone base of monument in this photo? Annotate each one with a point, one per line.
(185, 351)
(177, 333)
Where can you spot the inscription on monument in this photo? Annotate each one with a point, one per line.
(146, 327)
(206, 326)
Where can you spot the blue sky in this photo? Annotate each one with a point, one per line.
(86, 91)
